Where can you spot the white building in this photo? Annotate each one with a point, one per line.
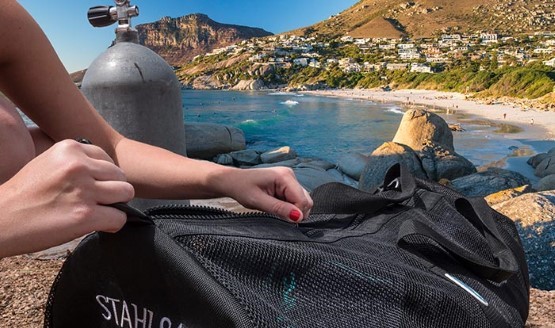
(388, 46)
(420, 68)
(301, 61)
(488, 38)
(550, 62)
(405, 45)
(396, 66)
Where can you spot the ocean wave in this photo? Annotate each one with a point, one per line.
(289, 103)
(281, 93)
(299, 95)
(395, 110)
(249, 122)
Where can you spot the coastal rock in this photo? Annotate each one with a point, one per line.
(488, 182)
(249, 85)
(311, 178)
(431, 138)
(206, 140)
(505, 195)
(206, 82)
(247, 157)
(343, 178)
(383, 158)
(278, 155)
(551, 152)
(534, 161)
(546, 167)
(546, 183)
(534, 215)
(223, 159)
(317, 164)
(352, 164)
(440, 163)
(288, 163)
(419, 127)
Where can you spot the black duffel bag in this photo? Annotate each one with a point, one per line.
(411, 254)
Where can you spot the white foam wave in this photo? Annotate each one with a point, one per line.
(281, 93)
(249, 122)
(289, 103)
(395, 110)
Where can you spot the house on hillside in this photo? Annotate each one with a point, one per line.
(487, 38)
(550, 62)
(388, 46)
(301, 62)
(396, 66)
(420, 68)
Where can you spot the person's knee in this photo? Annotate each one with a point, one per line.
(16, 143)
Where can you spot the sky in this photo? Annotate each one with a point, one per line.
(78, 43)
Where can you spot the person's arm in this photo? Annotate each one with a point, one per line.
(33, 77)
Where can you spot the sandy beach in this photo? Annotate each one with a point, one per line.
(536, 124)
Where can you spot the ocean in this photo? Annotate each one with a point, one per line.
(324, 127)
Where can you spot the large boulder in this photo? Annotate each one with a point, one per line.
(206, 140)
(546, 183)
(534, 161)
(441, 163)
(546, 167)
(206, 82)
(488, 182)
(249, 85)
(431, 138)
(383, 158)
(534, 215)
(249, 157)
(352, 164)
(278, 155)
(288, 163)
(316, 163)
(507, 194)
(420, 127)
(343, 178)
(311, 178)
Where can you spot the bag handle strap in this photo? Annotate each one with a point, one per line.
(338, 198)
(478, 213)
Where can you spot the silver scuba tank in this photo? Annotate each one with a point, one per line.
(133, 88)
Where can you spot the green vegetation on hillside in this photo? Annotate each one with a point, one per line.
(531, 82)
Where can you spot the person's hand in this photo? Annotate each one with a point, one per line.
(274, 190)
(59, 196)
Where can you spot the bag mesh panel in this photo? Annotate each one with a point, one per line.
(295, 284)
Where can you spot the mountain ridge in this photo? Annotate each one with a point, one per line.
(178, 40)
(426, 18)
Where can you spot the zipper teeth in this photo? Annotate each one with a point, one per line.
(174, 211)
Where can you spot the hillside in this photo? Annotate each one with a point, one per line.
(178, 40)
(426, 18)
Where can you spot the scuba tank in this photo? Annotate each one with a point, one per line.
(133, 88)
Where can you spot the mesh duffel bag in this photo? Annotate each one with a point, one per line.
(411, 254)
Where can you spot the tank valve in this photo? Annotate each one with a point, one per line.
(101, 16)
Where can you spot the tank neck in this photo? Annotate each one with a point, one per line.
(130, 35)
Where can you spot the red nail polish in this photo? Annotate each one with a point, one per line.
(295, 215)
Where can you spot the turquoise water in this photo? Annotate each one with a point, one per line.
(324, 127)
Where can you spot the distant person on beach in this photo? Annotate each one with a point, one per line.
(54, 189)
(504, 115)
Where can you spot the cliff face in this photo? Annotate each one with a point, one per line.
(178, 40)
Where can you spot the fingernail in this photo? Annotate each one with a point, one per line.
(295, 215)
